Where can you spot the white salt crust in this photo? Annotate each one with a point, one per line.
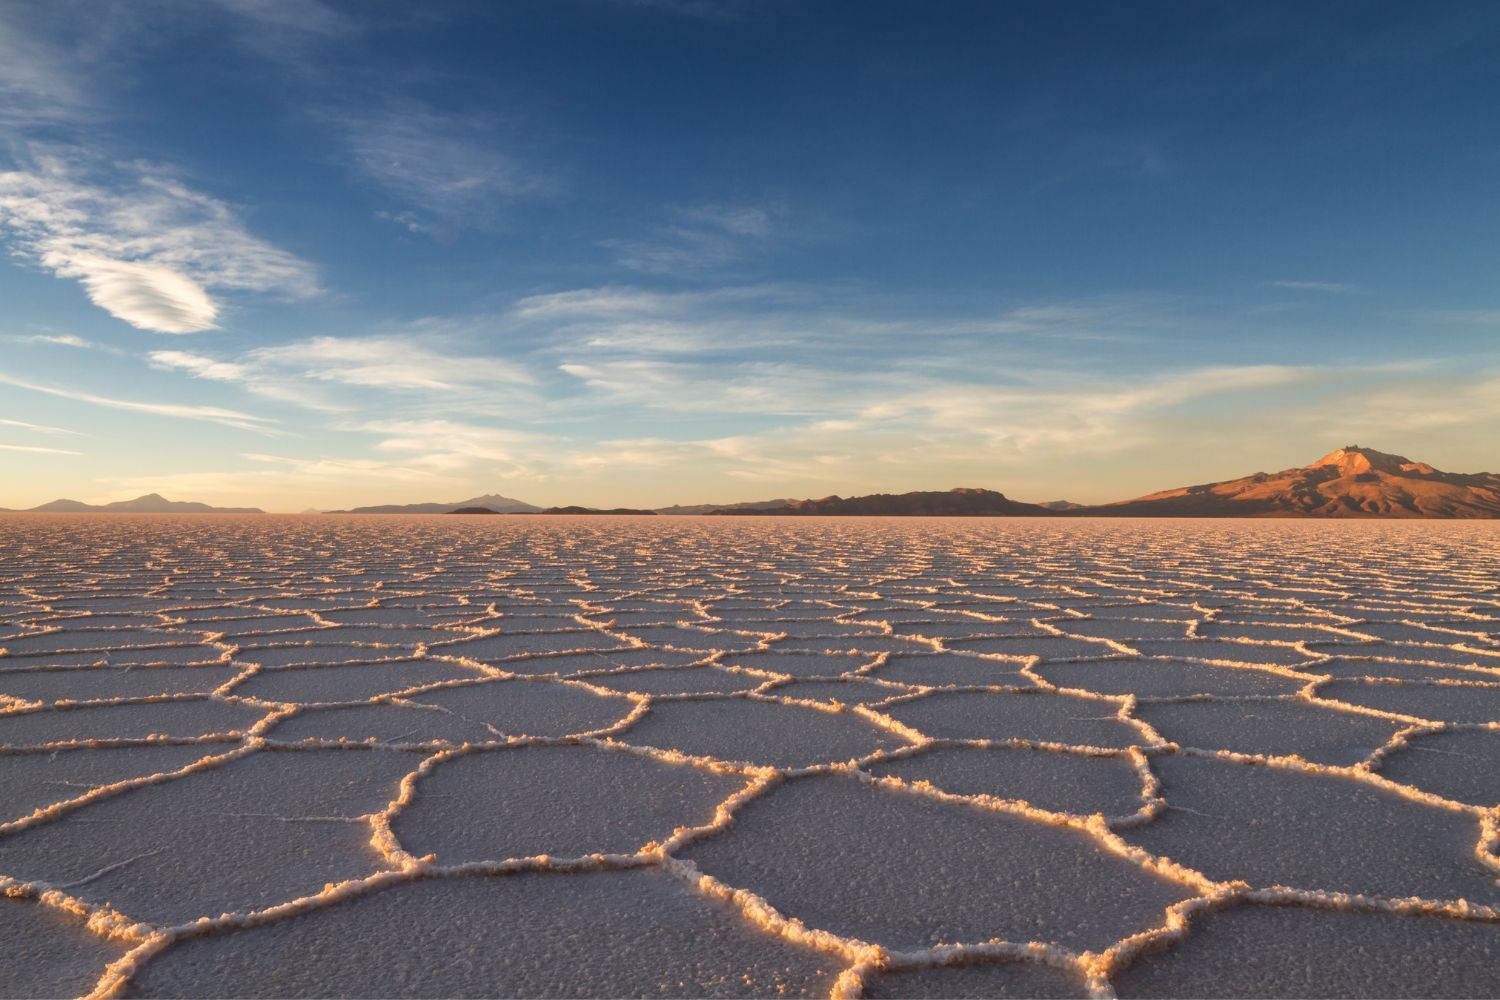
(349, 706)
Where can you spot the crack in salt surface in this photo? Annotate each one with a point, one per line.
(915, 643)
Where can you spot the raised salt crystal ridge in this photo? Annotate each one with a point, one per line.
(672, 756)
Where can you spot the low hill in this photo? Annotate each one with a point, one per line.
(961, 502)
(492, 502)
(714, 508)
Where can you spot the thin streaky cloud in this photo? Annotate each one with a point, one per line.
(1330, 287)
(40, 428)
(209, 414)
(445, 171)
(32, 449)
(36, 84)
(58, 339)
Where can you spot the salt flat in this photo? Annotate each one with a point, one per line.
(443, 756)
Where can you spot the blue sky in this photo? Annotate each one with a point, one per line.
(296, 255)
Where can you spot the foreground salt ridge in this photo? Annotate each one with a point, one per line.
(564, 604)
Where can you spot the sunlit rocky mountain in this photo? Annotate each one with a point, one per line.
(1351, 482)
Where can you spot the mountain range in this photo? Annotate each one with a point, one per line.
(1350, 482)
(151, 503)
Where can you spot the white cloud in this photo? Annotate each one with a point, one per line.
(1330, 287)
(387, 362)
(290, 16)
(741, 221)
(35, 85)
(210, 414)
(700, 238)
(39, 428)
(146, 248)
(843, 327)
(147, 296)
(336, 374)
(200, 366)
(60, 339)
(452, 445)
(34, 450)
(445, 166)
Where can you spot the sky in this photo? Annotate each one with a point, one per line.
(621, 252)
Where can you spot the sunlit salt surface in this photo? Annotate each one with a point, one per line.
(702, 756)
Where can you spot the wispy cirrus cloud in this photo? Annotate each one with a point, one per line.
(446, 170)
(291, 17)
(787, 322)
(388, 363)
(56, 339)
(1329, 287)
(39, 428)
(184, 411)
(696, 239)
(146, 247)
(32, 449)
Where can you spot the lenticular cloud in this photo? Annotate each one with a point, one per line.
(147, 249)
(147, 296)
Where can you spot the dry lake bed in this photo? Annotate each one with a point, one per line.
(525, 756)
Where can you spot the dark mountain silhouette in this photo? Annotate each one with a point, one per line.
(493, 502)
(151, 503)
(596, 510)
(474, 510)
(961, 502)
(1352, 482)
(714, 508)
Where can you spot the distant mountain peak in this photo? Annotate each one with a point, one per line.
(1352, 460)
(1352, 481)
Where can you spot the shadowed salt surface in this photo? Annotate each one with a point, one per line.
(914, 885)
(759, 732)
(96, 683)
(684, 680)
(1281, 827)
(1027, 715)
(631, 933)
(382, 784)
(1285, 951)
(504, 804)
(1055, 781)
(1164, 679)
(989, 979)
(939, 669)
(1461, 766)
(49, 953)
(33, 780)
(180, 719)
(1316, 733)
(257, 831)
